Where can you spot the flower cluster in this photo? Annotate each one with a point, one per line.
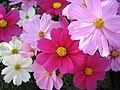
(51, 38)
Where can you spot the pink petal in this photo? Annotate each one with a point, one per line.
(42, 58)
(49, 85)
(99, 75)
(14, 30)
(58, 83)
(109, 8)
(13, 17)
(112, 37)
(52, 63)
(112, 24)
(79, 80)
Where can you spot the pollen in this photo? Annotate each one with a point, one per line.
(14, 51)
(27, 17)
(114, 54)
(17, 67)
(88, 71)
(84, 4)
(41, 34)
(61, 51)
(3, 23)
(57, 5)
(99, 23)
(48, 73)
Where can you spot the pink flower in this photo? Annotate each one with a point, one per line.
(26, 4)
(89, 72)
(114, 59)
(46, 80)
(60, 52)
(7, 24)
(95, 25)
(119, 9)
(53, 7)
(29, 51)
(37, 29)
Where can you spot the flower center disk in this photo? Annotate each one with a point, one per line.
(14, 51)
(57, 5)
(114, 53)
(17, 67)
(88, 71)
(27, 17)
(99, 23)
(3, 23)
(48, 73)
(61, 51)
(41, 34)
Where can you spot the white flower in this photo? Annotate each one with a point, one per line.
(0, 56)
(26, 15)
(17, 69)
(13, 47)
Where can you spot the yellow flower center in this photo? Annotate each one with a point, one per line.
(41, 34)
(84, 4)
(57, 5)
(114, 54)
(88, 71)
(99, 23)
(17, 67)
(61, 51)
(48, 73)
(3, 23)
(14, 51)
(27, 17)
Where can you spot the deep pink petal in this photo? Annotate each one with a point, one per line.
(52, 63)
(42, 58)
(91, 83)
(2, 11)
(79, 80)
(14, 30)
(99, 75)
(13, 17)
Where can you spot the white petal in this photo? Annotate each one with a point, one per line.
(22, 14)
(9, 76)
(31, 12)
(6, 70)
(17, 81)
(26, 62)
(24, 75)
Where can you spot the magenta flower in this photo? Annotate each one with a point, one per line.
(53, 7)
(46, 80)
(60, 52)
(7, 24)
(96, 24)
(26, 4)
(89, 72)
(114, 59)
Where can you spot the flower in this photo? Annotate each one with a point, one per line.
(95, 25)
(11, 48)
(26, 15)
(90, 71)
(60, 52)
(7, 24)
(29, 51)
(53, 7)
(114, 59)
(1, 56)
(37, 29)
(46, 80)
(26, 4)
(17, 69)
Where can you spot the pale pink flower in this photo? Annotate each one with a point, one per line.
(95, 25)
(26, 4)
(46, 80)
(114, 59)
(37, 29)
